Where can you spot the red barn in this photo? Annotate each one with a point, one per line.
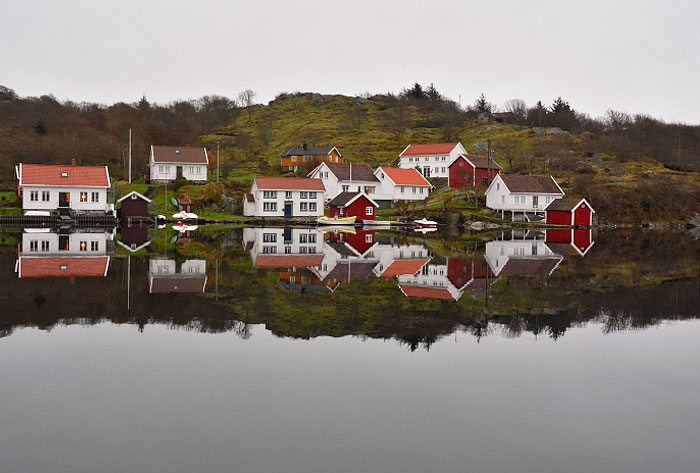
(469, 172)
(134, 205)
(570, 212)
(353, 204)
(569, 241)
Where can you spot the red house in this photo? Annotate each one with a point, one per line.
(570, 212)
(469, 172)
(353, 204)
(570, 241)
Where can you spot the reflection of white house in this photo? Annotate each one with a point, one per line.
(399, 260)
(432, 160)
(163, 276)
(431, 282)
(78, 188)
(284, 197)
(339, 178)
(521, 257)
(45, 254)
(191, 162)
(522, 194)
(284, 247)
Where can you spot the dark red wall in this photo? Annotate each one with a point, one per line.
(134, 208)
(558, 217)
(582, 216)
(583, 238)
(459, 271)
(559, 236)
(462, 175)
(356, 209)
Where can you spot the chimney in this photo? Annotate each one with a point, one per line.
(306, 146)
(73, 163)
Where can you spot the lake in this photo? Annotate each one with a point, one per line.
(290, 349)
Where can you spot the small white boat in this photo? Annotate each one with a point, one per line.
(185, 228)
(185, 216)
(337, 229)
(425, 223)
(425, 230)
(336, 220)
(37, 213)
(37, 230)
(376, 223)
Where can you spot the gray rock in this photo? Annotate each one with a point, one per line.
(477, 225)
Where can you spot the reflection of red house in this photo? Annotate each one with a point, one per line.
(288, 261)
(468, 172)
(353, 204)
(72, 267)
(570, 241)
(470, 274)
(360, 242)
(426, 292)
(571, 212)
(404, 267)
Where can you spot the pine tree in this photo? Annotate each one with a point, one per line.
(560, 105)
(415, 92)
(144, 105)
(481, 105)
(432, 93)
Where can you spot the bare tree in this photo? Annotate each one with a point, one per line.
(246, 99)
(518, 108)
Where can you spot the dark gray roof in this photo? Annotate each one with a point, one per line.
(307, 152)
(566, 205)
(531, 184)
(341, 199)
(360, 172)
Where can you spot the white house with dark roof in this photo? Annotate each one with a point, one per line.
(522, 194)
(285, 197)
(339, 178)
(167, 163)
(164, 278)
(75, 188)
(431, 160)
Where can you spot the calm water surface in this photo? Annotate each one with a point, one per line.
(292, 350)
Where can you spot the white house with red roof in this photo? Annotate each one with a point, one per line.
(73, 188)
(431, 282)
(167, 163)
(400, 184)
(432, 160)
(285, 197)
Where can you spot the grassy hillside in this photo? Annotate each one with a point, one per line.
(375, 130)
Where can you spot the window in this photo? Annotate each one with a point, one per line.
(498, 186)
(83, 197)
(426, 159)
(307, 159)
(288, 195)
(303, 250)
(312, 249)
(312, 207)
(161, 169)
(94, 246)
(34, 196)
(45, 246)
(303, 237)
(535, 201)
(303, 206)
(270, 206)
(369, 210)
(33, 245)
(294, 159)
(45, 196)
(421, 190)
(312, 238)
(303, 195)
(368, 237)
(269, 238)
(312, 195)
(287, 250)
(83, 246)
(410, 160)
(415, 189)
(269, 250)
(382, 174)
(503, 199)
(95, 197)
(269, 194)
(369, 190)
(345, 188)
(444, 158)
(443, 170)
(402, 189)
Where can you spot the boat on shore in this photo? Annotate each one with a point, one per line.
(425, 223)
(336, 220)
(377, 223)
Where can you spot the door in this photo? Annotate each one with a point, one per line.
(64, 200)
(426, 171)
(288, 208)
(287, 236)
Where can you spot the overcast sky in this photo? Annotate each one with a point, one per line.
(634, 56)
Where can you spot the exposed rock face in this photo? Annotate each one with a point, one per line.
(695, 221)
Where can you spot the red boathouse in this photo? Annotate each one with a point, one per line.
(469, 172)
(570, 212)
(353, 204)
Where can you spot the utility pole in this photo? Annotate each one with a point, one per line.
(488, 171)
(129, 155)
(218, 161)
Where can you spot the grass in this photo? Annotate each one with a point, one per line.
(8, 199)
(11, 212)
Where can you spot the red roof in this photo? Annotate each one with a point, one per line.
(288, 261)
(64, 176)
(427, 293)
(406, 177)
(400, 268)
(87, 267)
(429, 150)
(289, 184)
